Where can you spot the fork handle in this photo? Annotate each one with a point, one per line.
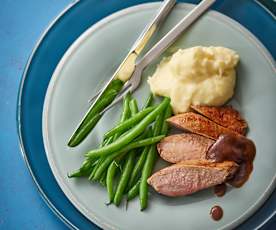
(174, 33)
(151, 28)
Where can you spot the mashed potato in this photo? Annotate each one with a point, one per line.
(196, 76)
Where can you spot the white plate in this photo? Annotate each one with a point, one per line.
(93, 58)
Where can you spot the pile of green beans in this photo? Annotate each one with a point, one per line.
(127, 155)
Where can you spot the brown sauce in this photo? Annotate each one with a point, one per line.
(216, 213)
(220, 189)
(234, 148)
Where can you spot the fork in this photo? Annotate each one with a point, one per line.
(133, 83)
(135, 50)
(135, 75)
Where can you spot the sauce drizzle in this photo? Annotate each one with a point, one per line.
(235, 148)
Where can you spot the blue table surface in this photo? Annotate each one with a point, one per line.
(21, 24)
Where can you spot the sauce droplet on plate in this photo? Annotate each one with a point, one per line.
(216, 213)
(220, 189)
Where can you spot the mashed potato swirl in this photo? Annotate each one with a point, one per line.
(196, 76)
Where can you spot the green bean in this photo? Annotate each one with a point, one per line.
(135, 131)
(147, 169)
(149, 164)
(148, 101)
(93, 115)
(158, 124)
(100, 160)
(104, 161)
(98, 163)
(106, 141)
(84, 170)
(130, 160)
(87, 166)
(142, 157)
(123, 126)
(124, 178)
(126, 109)
(112, 169)
(76, 173)
(140, 163)
(102, 180)
(103, 165)
(137, 144)
(125, 115)
(133, 192)
(111, 172)
(165, 126)
(133, 105)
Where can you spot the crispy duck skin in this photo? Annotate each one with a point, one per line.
(186, 146)
(226, 116)
(188, 177)
(199, 124)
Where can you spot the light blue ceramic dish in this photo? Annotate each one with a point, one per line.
(91, 60)
(56, 39)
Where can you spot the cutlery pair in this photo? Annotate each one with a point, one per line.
(131, 67)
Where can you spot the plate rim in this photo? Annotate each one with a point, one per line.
(25, 155)
(73, 47)
(23, 151)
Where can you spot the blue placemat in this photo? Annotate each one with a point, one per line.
(21, 23)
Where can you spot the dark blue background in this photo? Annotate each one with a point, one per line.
(21, 24)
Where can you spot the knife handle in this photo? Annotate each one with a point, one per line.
(151, 28)
(174, 33)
